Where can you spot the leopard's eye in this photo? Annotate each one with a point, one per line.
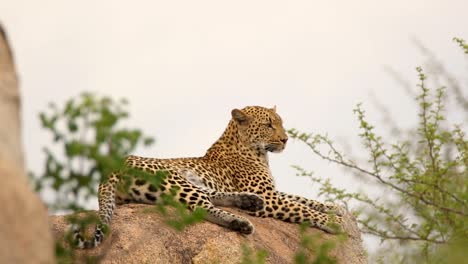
(270, 123)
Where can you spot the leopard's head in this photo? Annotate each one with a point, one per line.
(260, 128)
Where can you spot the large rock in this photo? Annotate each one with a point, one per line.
(141, 236)
(24, 230)
(10, 103)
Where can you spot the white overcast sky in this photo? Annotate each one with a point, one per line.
(183, 65)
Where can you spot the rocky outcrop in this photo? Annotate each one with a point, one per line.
(10, 128)
(24, 230)
(141, 236)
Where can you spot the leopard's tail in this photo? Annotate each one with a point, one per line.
(106, 197)
(80, 242)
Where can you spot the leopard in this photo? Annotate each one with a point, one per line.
(234, 172)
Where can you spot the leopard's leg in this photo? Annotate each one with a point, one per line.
(227, 219)
(314, 205)
(194, 197)
(106, 197)
(290, 211)
(243, 200)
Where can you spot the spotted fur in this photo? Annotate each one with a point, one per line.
(233, 172)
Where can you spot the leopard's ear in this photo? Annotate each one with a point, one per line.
(240, 117)
(274, 108)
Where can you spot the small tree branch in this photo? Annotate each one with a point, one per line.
(378, 177)
(396, 237)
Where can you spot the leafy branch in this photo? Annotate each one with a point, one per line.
(424, 177)
(89, 143)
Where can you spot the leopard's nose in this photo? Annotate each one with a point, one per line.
(284, 140)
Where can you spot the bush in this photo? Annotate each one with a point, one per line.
(423, 216)
(89, 143)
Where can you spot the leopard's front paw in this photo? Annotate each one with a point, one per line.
(243, 226)
(250, 202)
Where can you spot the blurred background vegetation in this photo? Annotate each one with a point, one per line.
(90, 141)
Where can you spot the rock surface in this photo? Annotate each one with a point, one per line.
(10, 103)
(140, 236)
(24, 233)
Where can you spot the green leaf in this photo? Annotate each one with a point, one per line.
(72, 126)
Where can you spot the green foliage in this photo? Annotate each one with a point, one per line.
(462, 44)
(321, 250)
(424, 213)
(312, 250)
(252, 256)
(182, 216)
(89, 143)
